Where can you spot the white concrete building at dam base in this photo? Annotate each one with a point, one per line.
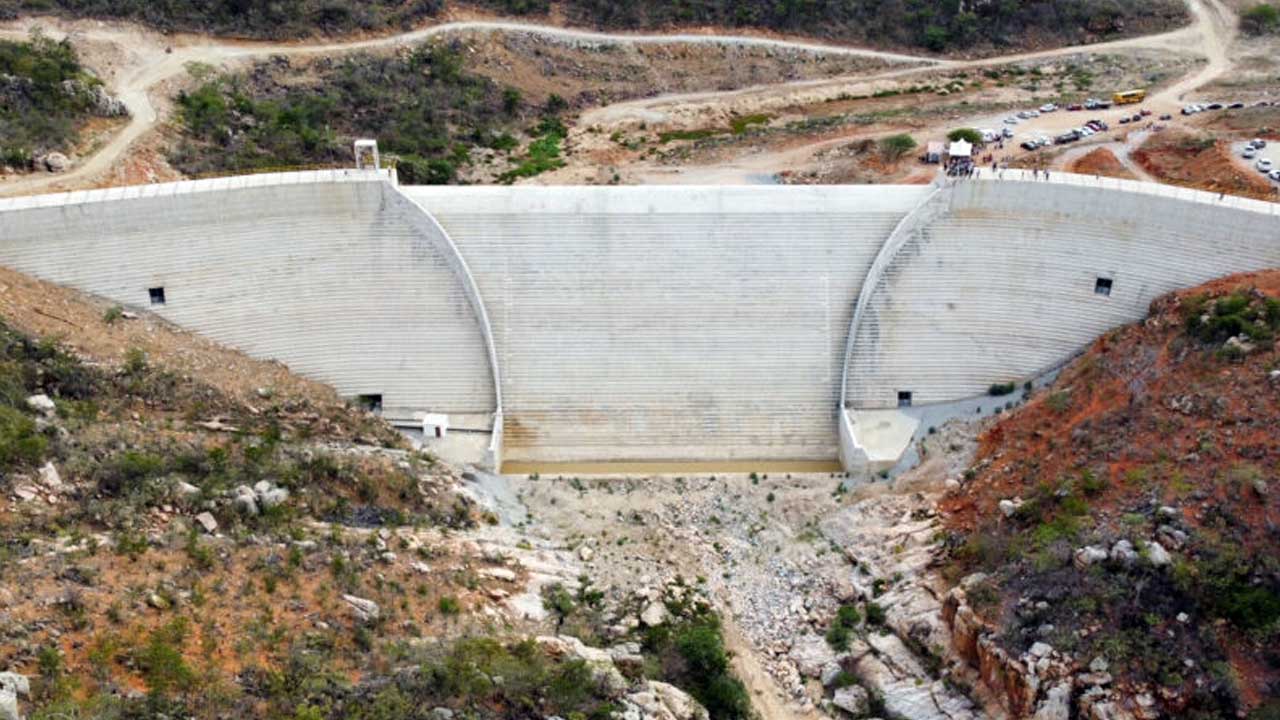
(633, 324)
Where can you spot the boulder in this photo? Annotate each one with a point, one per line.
(585, 553)
(599, 661)
(1123, 553)
(811, 654)
(49, 477)
(627, 655)
(1157, 555)
(1088, 555)
(42, 404)
(364, 610)
(654, 614)
(207, 521)
(852, 699)
(185, 490)
(1007, 508)
(56, 162)
(274, 497)
(245, 504)
(1056, 704)
(15, 683)
(9, 706)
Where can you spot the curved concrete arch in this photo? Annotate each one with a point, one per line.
(888, 251)
(434, 228)
(1003, 283)
(333, 273)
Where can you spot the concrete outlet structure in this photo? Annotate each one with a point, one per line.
(647, 323)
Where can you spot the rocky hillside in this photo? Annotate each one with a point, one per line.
(188, 532)
(46, 99)
(1117, 541)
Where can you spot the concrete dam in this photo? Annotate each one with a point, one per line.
(647, 323)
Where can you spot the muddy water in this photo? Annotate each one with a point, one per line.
(579, 469)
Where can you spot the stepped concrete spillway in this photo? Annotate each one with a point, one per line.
(646, 324)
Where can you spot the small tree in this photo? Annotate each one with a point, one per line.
(967, 134)
(1260, 19)
(896, 146)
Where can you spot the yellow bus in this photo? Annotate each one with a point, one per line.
(1129, 96)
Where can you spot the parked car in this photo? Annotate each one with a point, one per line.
(1135, 118)
(1144, 112)
(1263, 165)
(1125, 120)
(1011, 120)
(1258, 143)
(1249, 153)
(1166, 116)
(1007, 133)
(1030, 145)
(1236, 105)
(1048, 108)
(1075, 107)
(1213, 106)
(1275, 175)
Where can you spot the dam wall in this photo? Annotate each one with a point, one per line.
(647, 323)
(669, 323)
(327, 272)
(1018, 275)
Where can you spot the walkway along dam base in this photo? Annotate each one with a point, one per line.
(648, 324)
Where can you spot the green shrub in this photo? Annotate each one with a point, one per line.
(998, 389)
(1260, 19)
(875, 613)
(128, 472)
(967, 134)
(895, 147)
(21, 444)
(842, 627)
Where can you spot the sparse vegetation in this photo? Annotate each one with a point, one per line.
(1139, 503)
(46, 96)
(423, 106)
(895, 147)
(1260, 19)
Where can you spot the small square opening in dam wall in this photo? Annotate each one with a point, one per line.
(372, 402)
(904, 398)
(157, 295)
(1102, 287)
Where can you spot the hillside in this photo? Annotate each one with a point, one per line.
(937, 27)
(188, 532)
(1122, 528)
(46, 99)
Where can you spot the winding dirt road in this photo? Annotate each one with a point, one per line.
(152, 59)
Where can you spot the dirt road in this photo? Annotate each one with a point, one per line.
(151, 59)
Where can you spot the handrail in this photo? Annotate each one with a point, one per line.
(1173, 192)
(469, 285)
(888, 251)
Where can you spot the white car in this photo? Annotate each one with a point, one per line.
(1084, 131)
(1257, 143)
(1033, 113)
(1263, 165)
(1249, 153)
(1007, 133)
(1011, 120)
(1048, 108)
(1275, 175)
